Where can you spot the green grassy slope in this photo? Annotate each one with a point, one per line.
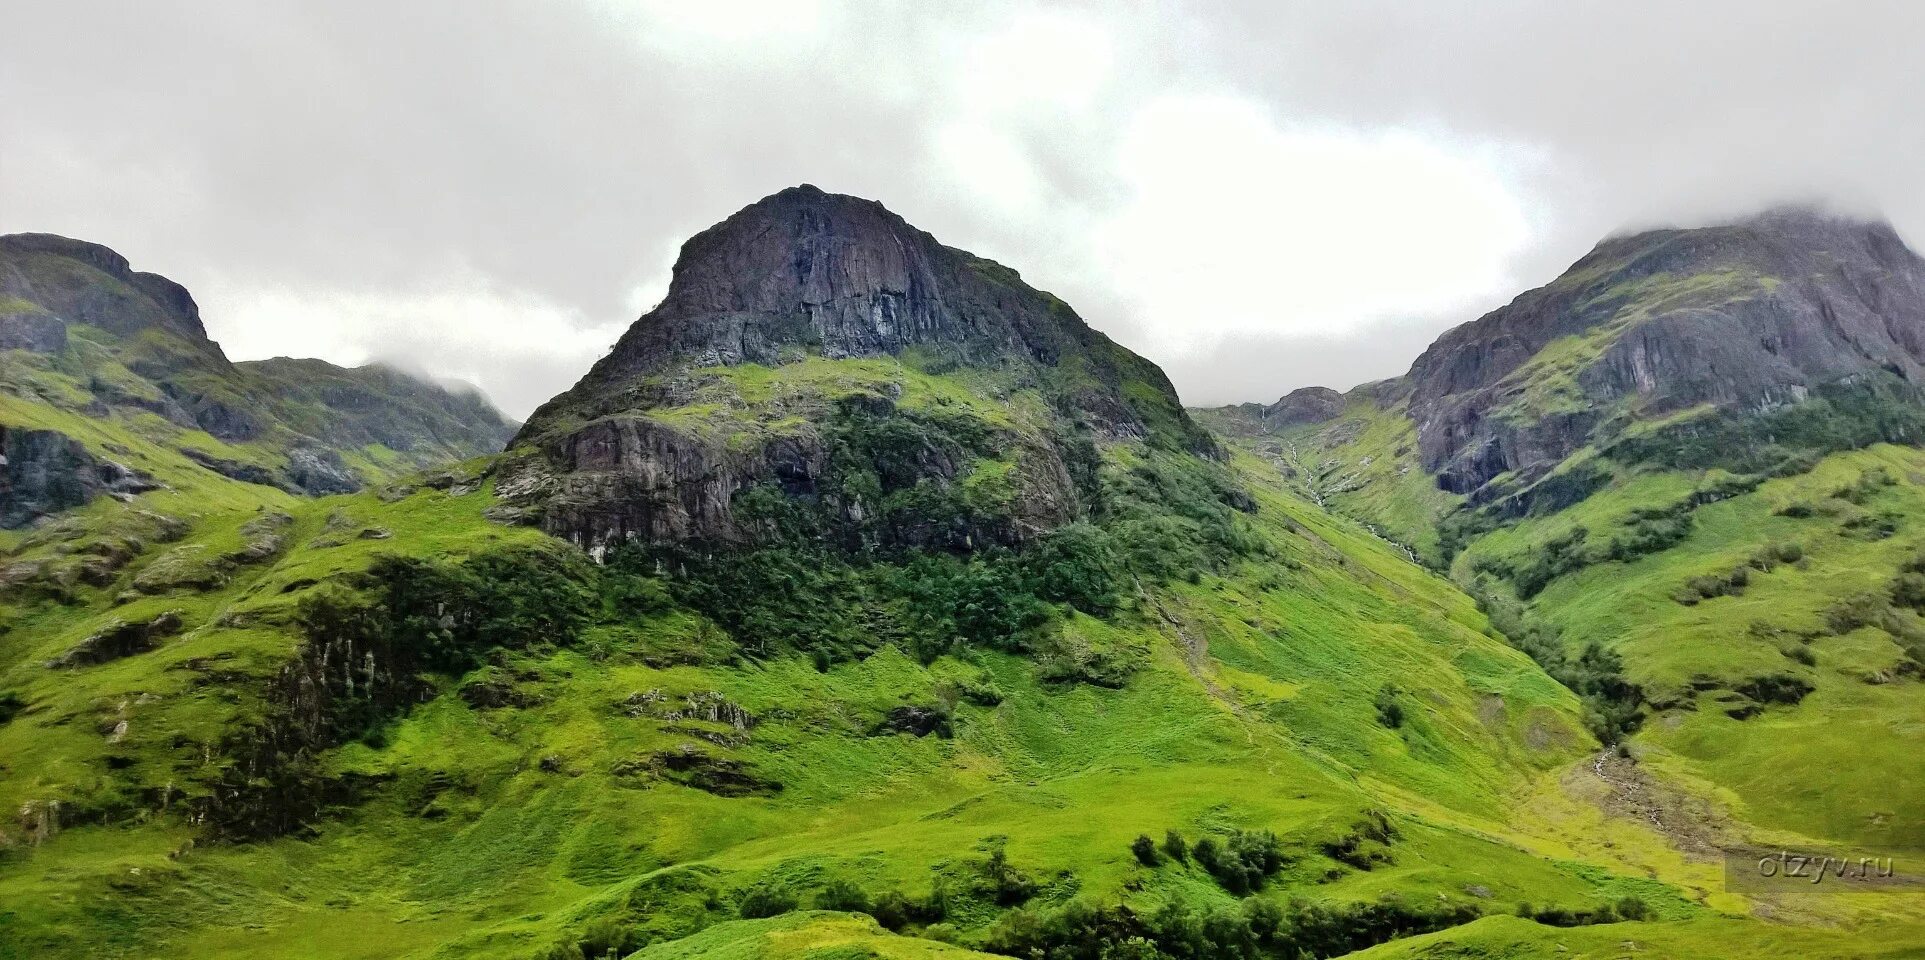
(1362, 463)
(1834, 766)
(645, 784)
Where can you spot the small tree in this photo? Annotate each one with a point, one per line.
(1390, 712)
(1632, 908)
(766, 901)
(1145, 850)
(840, 894)
(1175, 847)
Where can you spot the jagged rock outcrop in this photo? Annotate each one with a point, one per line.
(43, 472)
(1749, 315)
(804, 273)
(119, 639)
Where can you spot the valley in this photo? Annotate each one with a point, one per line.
(864, 601)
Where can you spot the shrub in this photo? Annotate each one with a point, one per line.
(895, 911)
(1175, 847)
(839, 894)
(1004, 883)
(1908, 590)
(1243, 861)
(1145, 850)
(765, 900)
(1390, 711)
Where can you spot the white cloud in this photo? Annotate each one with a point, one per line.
(1235, 224)
(518, 346)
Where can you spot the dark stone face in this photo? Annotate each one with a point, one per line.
(33, 332)
(1745, 316)
(43, 472)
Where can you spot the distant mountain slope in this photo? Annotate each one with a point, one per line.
(1693, 460)
(84, 335)
(1752, 315)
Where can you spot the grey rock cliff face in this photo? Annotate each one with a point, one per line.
(43, 472)
(841, 276)
(804, 271)
(1748, 315)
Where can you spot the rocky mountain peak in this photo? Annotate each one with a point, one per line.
(1752, 313)
(46, 277)
(662, 435)
(841, 276)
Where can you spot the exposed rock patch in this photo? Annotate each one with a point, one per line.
(121, 639)
(43, 472)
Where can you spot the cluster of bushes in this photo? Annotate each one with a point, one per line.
(410, 615)
(814, 599)
(1707, 586)
(925, 566)
(1733, 582)
(1240, 862)
(1556, 557)
(1626, 908)
(1769, 557)
(1878, 408)
(1868, 484)
(1885, 610)
(1612, 703)
(1256, 929)
(991, 879)
(1644, 531)
(1651, 530)
(1367, 843)
(1872, 526)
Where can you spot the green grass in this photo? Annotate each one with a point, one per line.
(1791, 769)
(496, 832)
(503, 831)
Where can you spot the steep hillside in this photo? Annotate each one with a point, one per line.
(1751, 316)
(1684, 478)
(918, 603)
(89, 346)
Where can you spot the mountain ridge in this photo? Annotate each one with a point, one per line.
(84, 333)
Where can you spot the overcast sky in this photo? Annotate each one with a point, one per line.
(1257, 195)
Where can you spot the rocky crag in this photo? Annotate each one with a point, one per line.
(794, 335)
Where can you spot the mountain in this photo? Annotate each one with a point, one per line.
(1694, 459)
(84, 335)
(1751, 315)
(804, 319)
(865, 602)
